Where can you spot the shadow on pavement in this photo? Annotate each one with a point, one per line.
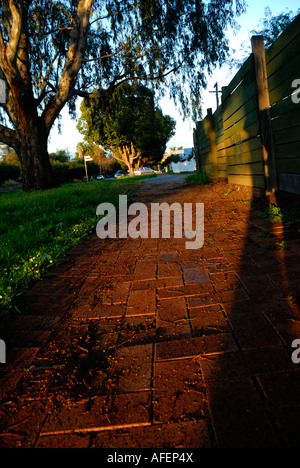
(253, 391)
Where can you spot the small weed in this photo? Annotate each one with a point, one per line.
(245, 202)
(278, 214)
(282, 245)
(228, 191)
(290, 299)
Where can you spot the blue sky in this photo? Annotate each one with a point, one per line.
(184, 130)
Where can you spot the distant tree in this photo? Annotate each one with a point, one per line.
(8, 155)
(156, 131)
(174, 158)
(52, 51)
(60, 155)
(175, 148)
(129, 123)
(270, 27)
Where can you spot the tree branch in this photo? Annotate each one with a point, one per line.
(73, 63)
(8, 136)
(45, 81)
(14, 30)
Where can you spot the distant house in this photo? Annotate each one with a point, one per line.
(187, 163)
(188, 153)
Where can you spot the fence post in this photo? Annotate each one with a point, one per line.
(266, 133)
(196, 148)
(212, 142)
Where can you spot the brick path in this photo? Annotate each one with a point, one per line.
(142, 343)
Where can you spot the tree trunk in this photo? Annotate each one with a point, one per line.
(33, 154)
(131, 169)
(138, 163)
(29, 139)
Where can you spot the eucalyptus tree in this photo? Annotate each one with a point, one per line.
(52, 51)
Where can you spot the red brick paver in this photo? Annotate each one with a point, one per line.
(134, 343)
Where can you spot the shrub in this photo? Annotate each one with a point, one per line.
(199, 178)
(9, 172)
(68, 171)
(10, 183)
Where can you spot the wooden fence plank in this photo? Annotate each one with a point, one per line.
(285, 73)
(248, 180)
(284, 56)
(245, 147)
(286, 109)
(242, 135)
(290, 165)
(244, 123)
(201, 134)
(247, 65)
(284, 89)
(244, 158)
(288, 150)
(288, 135)
(286, 122)
(219, 138)
(208, 168)
(240, 97)
(247, 108)
(221, 154)
(255, 168)
(222, 160)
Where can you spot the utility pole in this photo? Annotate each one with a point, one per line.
(216, 93)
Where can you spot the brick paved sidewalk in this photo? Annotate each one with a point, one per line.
(143, 343)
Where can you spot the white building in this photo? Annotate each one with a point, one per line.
(187, 160)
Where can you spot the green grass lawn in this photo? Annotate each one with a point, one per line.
(36, 229)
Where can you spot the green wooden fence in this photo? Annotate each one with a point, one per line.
(253, 138)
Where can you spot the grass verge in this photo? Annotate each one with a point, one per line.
(37, 229)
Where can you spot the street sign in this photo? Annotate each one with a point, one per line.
(87, 158)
